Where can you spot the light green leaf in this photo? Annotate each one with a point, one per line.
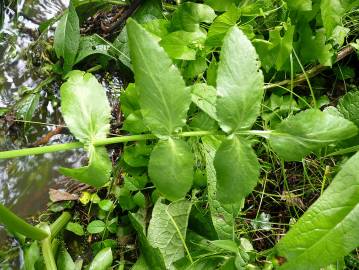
(302, 5)
(204, 96)
(222, 5)
(105, 205)
(97, 173)
(67, 37)
(85, 107)
(188, 16)
(102, 260)
(223, 215)
(90, 45)
(183, 45)
(64, 260)
(96, 226)
(308, 131)
(76, 228)
(151, 255)
(220, 27)
(239, 83)
(31, 255)
(167, 229)
(329, 229)
(237, 170)
(164, 99)
(139, 199)
(332, 12)
(349, 106)
(171, 168)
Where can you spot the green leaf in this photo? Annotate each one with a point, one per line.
(188, 16)
(97, 173)
(85, 107)
(64, 260)
(239, 83)
(302, 5)
(151, 255)
(329, 229)
(67, 37)
(220, 27)
(103, 260)
(164, 99)
(223, 215)
(349, 106)
(31, 255)
(183, 45)
(204, 96)
(222, 5)
(96, 226)
(139, 199)
(105, 205)
(237, 170)
(167, 229)
(76, 228)
(171, 168)
(27, 106)
(90, 45)
(134, 123)
(332, 12)
(308, 131)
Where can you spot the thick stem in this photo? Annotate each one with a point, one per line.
(59, 224)
(13, 222)
(46, 248)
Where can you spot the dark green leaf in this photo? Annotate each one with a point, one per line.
(164, 99)
(239, 83)
(85, 107)
(152, 256)
(67, 38)
(171, 168)
(308, 131)
(102, 260)
(27, 106)
(329, 229)
(237, 170)
(167, 222)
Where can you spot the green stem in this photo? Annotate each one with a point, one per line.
(14, 223)
(59, 224)
(120, 139)
(47, 250)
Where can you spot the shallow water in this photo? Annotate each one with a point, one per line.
(24, 182)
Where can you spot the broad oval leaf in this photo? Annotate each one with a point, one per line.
(102, 260)
(67, 37)
(305, 132)
(329, 229)
(164, 99)
(171, 168)
(97, 173)
(85, 107)
(237, 170)
(349, 106)
(167, 228)
(239, 83)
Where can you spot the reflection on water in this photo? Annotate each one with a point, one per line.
(24, 182)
